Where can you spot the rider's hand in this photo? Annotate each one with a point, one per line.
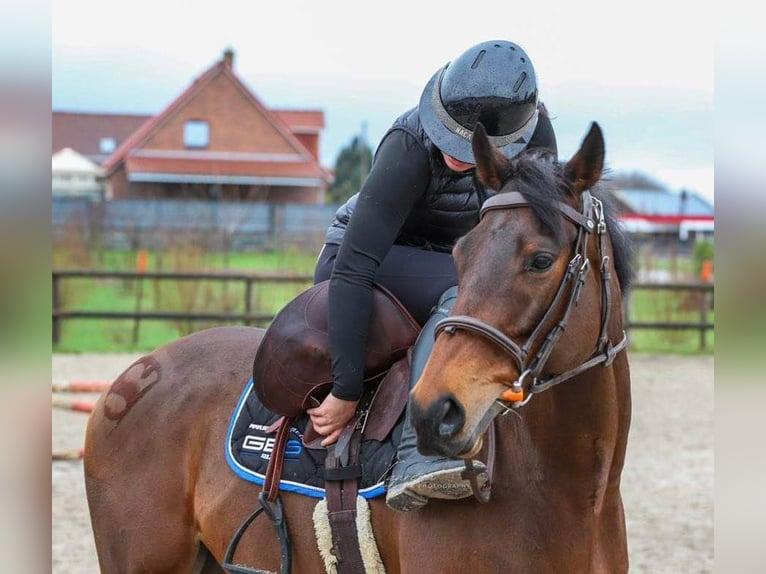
(331, 416)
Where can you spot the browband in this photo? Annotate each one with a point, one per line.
(515, 199)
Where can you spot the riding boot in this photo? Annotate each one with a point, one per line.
(415, 478)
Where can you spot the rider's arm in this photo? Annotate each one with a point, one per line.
(400, 174)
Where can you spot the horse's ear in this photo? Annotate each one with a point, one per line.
(586, 166)
(492, 167)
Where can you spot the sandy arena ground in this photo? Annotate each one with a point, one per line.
(667, 481)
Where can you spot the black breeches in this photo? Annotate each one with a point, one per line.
(415, 276)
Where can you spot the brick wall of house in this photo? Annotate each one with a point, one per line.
(117, 185)
(311, 141)
(235, 125)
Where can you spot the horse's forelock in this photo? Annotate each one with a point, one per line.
(539, 178)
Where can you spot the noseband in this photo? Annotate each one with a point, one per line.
(590, 219)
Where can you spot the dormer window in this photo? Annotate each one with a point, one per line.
(107, 145)
(196, 134)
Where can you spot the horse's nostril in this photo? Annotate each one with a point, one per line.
(451, 420)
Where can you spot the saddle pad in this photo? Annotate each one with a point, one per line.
(248, 448)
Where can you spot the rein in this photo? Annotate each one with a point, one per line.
(590, 219)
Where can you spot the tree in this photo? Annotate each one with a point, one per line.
(634, 179)
(351, 168)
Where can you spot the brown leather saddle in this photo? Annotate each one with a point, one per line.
(292, 372)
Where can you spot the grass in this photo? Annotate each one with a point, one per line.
(188, 259)
(115, 335)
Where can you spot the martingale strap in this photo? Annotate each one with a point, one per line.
(342, 475)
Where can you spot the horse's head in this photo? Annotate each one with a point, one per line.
(530, 295)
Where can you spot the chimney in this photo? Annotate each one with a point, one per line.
(228, 58)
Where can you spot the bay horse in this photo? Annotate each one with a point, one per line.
(534, 348)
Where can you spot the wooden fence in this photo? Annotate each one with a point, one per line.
(702, 300)
(246, 317)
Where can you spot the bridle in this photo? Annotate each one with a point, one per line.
(529, 383)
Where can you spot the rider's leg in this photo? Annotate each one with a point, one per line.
(416, 478)
(417, 277)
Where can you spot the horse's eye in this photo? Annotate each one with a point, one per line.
(541, 262)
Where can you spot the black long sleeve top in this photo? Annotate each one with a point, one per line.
(399, 176)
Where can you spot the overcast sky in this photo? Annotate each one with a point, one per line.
(644, 70)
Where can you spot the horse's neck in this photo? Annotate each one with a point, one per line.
(576, 428)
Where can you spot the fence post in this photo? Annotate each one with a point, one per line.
(626, 309)
(141, 264)
(703, 319)
(248, 297)
(272, 232)
(56, 307)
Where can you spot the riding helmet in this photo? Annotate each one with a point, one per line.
(493, 83)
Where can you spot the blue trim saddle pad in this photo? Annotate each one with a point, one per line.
(248, 448)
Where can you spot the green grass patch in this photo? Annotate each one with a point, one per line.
(188, 259)
(204, 296)
(670, 307)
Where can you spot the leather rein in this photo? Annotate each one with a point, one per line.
(529, 383)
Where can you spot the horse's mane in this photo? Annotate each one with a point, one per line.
(539, 177)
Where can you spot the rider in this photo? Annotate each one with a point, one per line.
(419, 198)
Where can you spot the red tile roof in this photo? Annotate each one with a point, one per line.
(83, 131)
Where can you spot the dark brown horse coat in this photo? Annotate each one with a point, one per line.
(163, 499)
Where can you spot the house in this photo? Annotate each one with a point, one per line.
(74, 175)
(216, 140)
(668, 220)
(93, 135)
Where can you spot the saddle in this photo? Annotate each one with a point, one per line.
(292, 369)
(292, 372)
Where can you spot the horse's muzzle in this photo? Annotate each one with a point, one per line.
(438, 426)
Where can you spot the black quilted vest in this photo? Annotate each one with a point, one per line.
(447, 210)
(449, 207)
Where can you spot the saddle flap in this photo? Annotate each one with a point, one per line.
(389, 401)
(312, 439)
(293, 361)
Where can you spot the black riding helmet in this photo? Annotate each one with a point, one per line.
(493, 82)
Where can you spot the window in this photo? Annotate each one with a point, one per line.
(196, 133)
(107, 145)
